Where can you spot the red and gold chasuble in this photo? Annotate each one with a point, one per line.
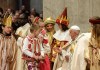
(61, 38)
(56, 45)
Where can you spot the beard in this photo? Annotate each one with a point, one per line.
(7, 34)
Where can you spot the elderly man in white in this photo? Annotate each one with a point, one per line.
(67, 50)
(78, 60)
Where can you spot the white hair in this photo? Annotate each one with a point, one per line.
(75, 27)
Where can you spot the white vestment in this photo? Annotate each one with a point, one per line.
(22, 31)
(78, 61)
(62, 36)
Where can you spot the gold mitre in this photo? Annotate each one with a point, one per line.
(8, 21)
(49, 20)
(62, 19)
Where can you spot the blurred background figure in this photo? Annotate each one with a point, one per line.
(8, 47)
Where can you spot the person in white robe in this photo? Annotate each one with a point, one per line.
(67, 50)
(22, 31)
(78, 60)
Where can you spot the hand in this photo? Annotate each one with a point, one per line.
(67, 58)
(56, 49)
(41, 57)
(60, 48)
(36, 57)
(88, 61)
(88, 64)
(54, 55)
(59, 51)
